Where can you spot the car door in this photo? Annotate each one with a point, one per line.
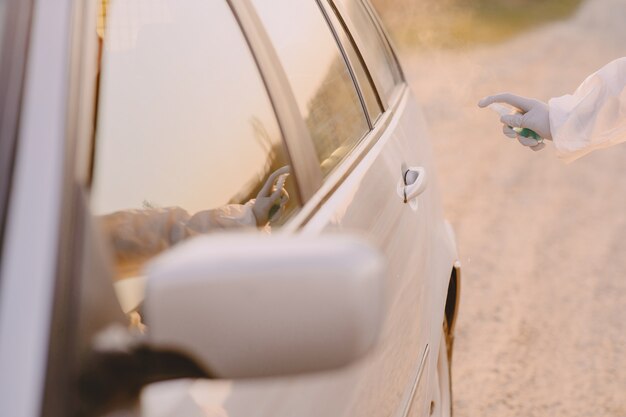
(182, 108)
(410, 231)
(352, 173)
(364, 140)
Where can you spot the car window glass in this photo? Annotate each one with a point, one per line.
(378, 57)
(319, 77)
(380, 30)
(187, 141)
(372, 102)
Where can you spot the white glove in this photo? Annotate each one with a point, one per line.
(272, 197)
(534, 115)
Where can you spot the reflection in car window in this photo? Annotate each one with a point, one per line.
(381, 63)
(186, 141)
(320, 80)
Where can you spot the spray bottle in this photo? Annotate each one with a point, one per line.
(503, 110)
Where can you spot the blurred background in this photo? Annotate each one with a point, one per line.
(459, 23)
(542, 327)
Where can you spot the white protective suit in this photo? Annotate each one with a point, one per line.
(593, 117)
(138, 235)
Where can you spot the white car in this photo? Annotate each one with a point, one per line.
(236, 197)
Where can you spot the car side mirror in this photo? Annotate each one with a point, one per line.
(253, 305)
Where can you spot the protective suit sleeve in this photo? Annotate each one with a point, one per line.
(226, 217)
(137, 235)
(594, 117)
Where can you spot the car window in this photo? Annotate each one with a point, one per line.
(187, 141)
(320, 79)
(379, 58)
(371, 99)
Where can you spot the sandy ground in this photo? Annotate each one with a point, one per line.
(542, 328)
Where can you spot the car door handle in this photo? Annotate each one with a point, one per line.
(415, 182)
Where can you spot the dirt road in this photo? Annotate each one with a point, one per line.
(542, 330)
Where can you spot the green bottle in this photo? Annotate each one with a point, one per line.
(527, 133)
(522, 131)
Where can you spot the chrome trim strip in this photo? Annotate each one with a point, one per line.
(408, 401)
(305, 167)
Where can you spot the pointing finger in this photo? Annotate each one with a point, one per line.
(522, 103)
(276, 194)
(265, 190)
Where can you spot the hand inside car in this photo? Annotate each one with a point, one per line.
(272, 197)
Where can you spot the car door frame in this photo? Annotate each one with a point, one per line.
(33, 235)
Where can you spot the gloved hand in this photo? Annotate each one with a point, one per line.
(534, 115)
(272, 197)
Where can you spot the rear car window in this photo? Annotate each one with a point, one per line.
(320, 79)
(364, 80)
(186, 137)
(373, 46)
